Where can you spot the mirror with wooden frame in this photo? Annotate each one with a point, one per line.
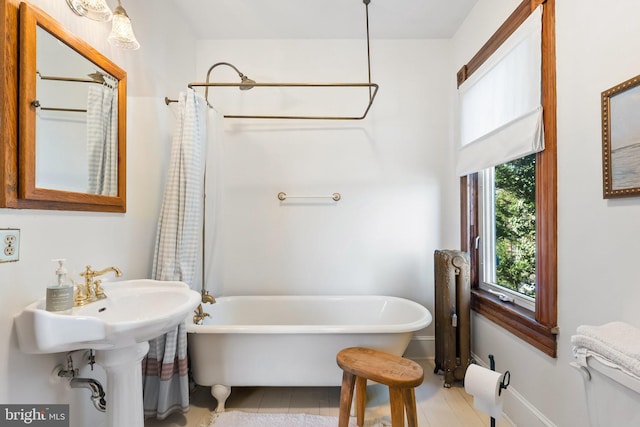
(72, 120)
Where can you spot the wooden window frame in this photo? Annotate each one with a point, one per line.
(537, 328)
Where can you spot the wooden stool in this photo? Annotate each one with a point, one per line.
(399, 374)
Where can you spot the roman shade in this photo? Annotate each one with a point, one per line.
(500, 104)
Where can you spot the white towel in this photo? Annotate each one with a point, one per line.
(617, 344)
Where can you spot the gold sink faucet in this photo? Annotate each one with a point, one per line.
(92, 290)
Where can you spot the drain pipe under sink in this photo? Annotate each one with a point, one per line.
(97, 392)
(93, 385)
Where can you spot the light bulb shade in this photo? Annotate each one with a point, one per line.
(122, 32)
(98, 10)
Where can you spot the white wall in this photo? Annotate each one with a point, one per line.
(394, 171)
(399, 195)
(161, 67)
(598, 239)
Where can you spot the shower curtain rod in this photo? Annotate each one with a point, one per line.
(246, 84)
(373, 86)
(97, 78)
(373, 89)
(69, 79)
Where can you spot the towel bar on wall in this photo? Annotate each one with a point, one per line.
(284, 196)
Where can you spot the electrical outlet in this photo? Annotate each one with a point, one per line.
(10, 244)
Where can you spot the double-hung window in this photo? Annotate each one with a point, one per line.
(507, 218)
(507, 162)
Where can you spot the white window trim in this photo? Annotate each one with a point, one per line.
(487, 250)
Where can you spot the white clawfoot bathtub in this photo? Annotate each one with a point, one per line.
(293, 340)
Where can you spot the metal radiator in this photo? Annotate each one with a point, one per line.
(452, 319)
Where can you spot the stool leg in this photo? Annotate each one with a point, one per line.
(346, 394)
(409, 397)
(361, 399)
(397, 407)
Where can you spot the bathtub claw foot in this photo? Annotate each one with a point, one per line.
(220, 393)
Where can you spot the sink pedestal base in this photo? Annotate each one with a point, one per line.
(124, 384)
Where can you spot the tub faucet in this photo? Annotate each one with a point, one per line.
(199, 315)
(206, 297)
(92, 290)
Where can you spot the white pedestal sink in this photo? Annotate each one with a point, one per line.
(124, 384)
(118, 328)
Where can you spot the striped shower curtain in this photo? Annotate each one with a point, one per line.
(177, 253)
(102, 137)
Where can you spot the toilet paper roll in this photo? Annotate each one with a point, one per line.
(484, 385)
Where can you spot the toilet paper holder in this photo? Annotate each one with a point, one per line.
(504, 383)
(506, 377)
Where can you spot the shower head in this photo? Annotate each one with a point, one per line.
(246, 83)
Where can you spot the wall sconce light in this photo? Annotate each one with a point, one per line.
(98, 10)
(121, 31)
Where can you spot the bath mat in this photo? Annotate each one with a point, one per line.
(247, 419)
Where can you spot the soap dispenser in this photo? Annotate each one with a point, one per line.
(60, 294)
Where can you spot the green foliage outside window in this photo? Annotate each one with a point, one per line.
(516, 225)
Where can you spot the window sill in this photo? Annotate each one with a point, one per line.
(515, 319)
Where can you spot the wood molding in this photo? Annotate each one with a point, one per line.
(540, 328)
(546, 178)
(512, 23)
(13, 188)
(516, 320)
(9, 103)
(469, 230)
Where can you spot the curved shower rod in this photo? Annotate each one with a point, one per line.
(247, 83)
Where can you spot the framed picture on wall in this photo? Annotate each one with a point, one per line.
(621, 139)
